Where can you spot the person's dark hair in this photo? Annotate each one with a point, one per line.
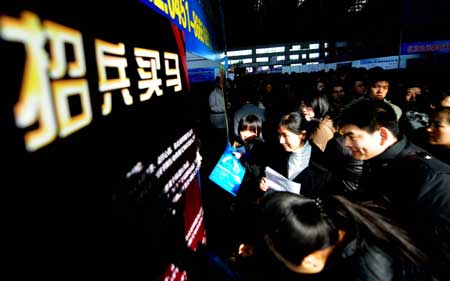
(319, 104)
(218, 82)
(439, 96)
(441, 109)
(296, 226)
(336, 83)
(354, 77)
(296, 123)
(376, 75)
(413, 84)
(248, 95)
(369, 115)
(251, 123)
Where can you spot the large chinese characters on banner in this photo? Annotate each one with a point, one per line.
(95, 101)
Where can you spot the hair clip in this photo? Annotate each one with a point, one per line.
(319, 204)
(324, 215)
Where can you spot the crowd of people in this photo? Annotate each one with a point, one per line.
(369, 153)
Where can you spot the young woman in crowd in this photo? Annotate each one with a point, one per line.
(335, 238)
(298, 159)
(254, 158)
(316, 108)
(436, 139)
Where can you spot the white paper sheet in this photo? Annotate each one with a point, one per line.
(278, 182)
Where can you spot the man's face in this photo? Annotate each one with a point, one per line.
(363, 145)
(379, 90)
(337, 93)
(359, 87)
(411, 94)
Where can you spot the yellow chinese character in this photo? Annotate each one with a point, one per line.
(37, 105)
(172, 71)
(111, 56)
(148, 62)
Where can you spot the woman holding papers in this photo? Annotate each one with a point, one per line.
(299, 160)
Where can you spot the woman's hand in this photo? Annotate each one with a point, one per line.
(237, 154)
(263, 184)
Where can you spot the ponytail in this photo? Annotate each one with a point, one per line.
(297, 123)
(370, 219)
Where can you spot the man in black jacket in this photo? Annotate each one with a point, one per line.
(416, 184)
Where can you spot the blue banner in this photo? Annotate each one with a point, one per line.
(205, 74)
(191, 18)
(426, 47)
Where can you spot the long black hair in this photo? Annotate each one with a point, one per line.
(296, 226)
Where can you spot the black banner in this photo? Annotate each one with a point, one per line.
(95, 101)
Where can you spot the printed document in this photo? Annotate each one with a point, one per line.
(278, 182)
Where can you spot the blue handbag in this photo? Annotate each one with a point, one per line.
(228, 172)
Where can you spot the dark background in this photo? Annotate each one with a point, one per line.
(376, 30)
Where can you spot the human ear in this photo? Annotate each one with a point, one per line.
(303, 135)
(313, 263)
(383, 135)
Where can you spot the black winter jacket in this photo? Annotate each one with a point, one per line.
(417, 185)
